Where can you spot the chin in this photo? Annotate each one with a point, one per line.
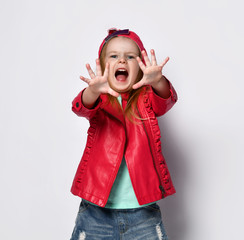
(121, 89)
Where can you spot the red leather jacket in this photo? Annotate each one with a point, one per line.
(112, 136)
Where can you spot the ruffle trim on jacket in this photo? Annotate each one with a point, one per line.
(158, 156)
(87, 152)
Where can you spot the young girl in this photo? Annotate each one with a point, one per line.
(122, 173)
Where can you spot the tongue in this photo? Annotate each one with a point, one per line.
(121, 77)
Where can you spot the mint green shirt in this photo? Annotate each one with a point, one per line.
(122, 194)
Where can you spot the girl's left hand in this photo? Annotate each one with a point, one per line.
(152, 72)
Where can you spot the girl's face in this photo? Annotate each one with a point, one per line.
(121, 53)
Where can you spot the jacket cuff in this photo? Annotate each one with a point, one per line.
(162, 105)
(173, 95)
(79, 108)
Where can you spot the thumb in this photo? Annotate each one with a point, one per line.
(106, 71)
(138, 84)
(112, 92)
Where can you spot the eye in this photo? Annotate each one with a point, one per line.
(130, 57)
(113, 56)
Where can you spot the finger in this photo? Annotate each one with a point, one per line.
(98, 68)
(105, 74)
(91, 73)
(153, 57)
(112, 92)
(138, 85)
(147, 61)
(164, 62)
(141, 64)
(87, 80)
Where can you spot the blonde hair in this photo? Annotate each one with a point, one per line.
(129, 110)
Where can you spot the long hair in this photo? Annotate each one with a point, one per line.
(130, 109)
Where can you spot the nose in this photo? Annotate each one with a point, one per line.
(122, 60)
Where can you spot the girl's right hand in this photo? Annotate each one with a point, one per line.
(99, 83)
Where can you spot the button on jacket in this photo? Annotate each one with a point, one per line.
(112, 136)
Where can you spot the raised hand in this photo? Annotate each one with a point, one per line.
(99, 82)
(152, 72)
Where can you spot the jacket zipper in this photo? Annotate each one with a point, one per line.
(154, 163)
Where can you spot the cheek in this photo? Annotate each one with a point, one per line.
(108, 60)
(111, 62)
(136, 65)
(136, 69)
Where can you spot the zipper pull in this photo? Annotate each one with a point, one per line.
(162, 189)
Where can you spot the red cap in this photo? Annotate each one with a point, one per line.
(113, 32)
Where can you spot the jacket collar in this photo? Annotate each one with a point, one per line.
(125, 96)
(114, 110)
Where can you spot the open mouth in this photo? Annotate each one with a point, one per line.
(121, 74)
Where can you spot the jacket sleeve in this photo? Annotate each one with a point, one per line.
(162, 105)
(80, 110)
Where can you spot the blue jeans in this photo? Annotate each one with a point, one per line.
(96, 223)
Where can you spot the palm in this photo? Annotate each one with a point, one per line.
(98, 82)
(152, 72)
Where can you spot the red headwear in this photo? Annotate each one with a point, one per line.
(113, 32)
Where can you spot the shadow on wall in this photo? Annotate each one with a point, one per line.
(173, 207)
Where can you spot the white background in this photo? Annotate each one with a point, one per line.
(44, 46)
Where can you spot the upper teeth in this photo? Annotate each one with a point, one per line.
(122, 70)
